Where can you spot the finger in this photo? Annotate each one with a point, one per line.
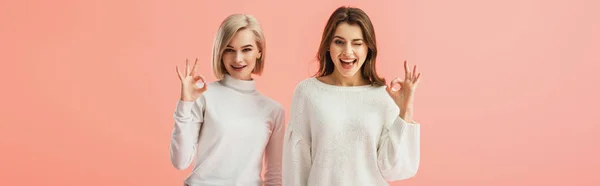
(178, 73)
(393, 81)
(406, 70)
(397, 81)
(388, 89)
(204, 88)
(414, 72)
(204, 85)
(201, 86)
(194, 67)
(202, 78)
(187, 68)
(417, 78)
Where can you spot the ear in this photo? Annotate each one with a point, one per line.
(259, 55)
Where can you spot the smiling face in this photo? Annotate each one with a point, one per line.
(348, 50)
(241, 54)
(239, 48)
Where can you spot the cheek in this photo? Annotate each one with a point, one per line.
(363, 51)
(227, 58)
(251, 58)
(334, 52)
(362, 55)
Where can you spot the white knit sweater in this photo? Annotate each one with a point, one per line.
(347, 136)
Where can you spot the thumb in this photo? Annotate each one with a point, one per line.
(204, 88)
(197, 78)
(395, 82)
(388, 89)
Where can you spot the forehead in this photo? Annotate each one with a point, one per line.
(348, 31)
(242, 37)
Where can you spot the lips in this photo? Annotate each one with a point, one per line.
(238, 67)
(348, 63)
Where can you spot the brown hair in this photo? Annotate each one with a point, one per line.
(231, 25)
(351, 16)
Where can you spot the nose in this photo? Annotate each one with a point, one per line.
(348, 51)
(238, 57)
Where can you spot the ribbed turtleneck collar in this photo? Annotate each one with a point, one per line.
(241, 85)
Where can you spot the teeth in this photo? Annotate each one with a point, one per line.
(348, 61)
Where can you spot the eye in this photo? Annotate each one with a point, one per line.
(247, 50)
(228, 50)
(358, 44)
(338, 42)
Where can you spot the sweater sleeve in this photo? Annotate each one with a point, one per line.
(273, 151)
(184, 139)
(297, 143)
(399, 151)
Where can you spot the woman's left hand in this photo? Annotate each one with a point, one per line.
(404, 94)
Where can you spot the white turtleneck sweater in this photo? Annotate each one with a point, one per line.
(226, 132)
(344, 136)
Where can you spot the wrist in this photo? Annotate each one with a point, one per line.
(406, 113)
(406, 107)
(186, 98)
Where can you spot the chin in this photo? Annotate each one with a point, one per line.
(351, 73)
(347, 74)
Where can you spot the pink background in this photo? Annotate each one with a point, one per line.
(509, 92)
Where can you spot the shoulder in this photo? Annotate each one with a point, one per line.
(382, 97)
(275, 105)
(270, 104)
(304, 86)
(214, 88)
(380, 93)
(380, 89)
(214, 84)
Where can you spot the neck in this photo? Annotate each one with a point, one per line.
(355, 80)
(244, 78)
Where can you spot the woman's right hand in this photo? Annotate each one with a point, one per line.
(189, 90)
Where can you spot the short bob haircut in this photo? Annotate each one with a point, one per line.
(231, 25)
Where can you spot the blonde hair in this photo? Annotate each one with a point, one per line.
(231, 25)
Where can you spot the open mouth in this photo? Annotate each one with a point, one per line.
(238, 67)
(348, 63)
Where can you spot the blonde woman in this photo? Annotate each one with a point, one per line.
(227, 126)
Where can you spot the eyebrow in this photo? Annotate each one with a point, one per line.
(345, 39)
(249, 45)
